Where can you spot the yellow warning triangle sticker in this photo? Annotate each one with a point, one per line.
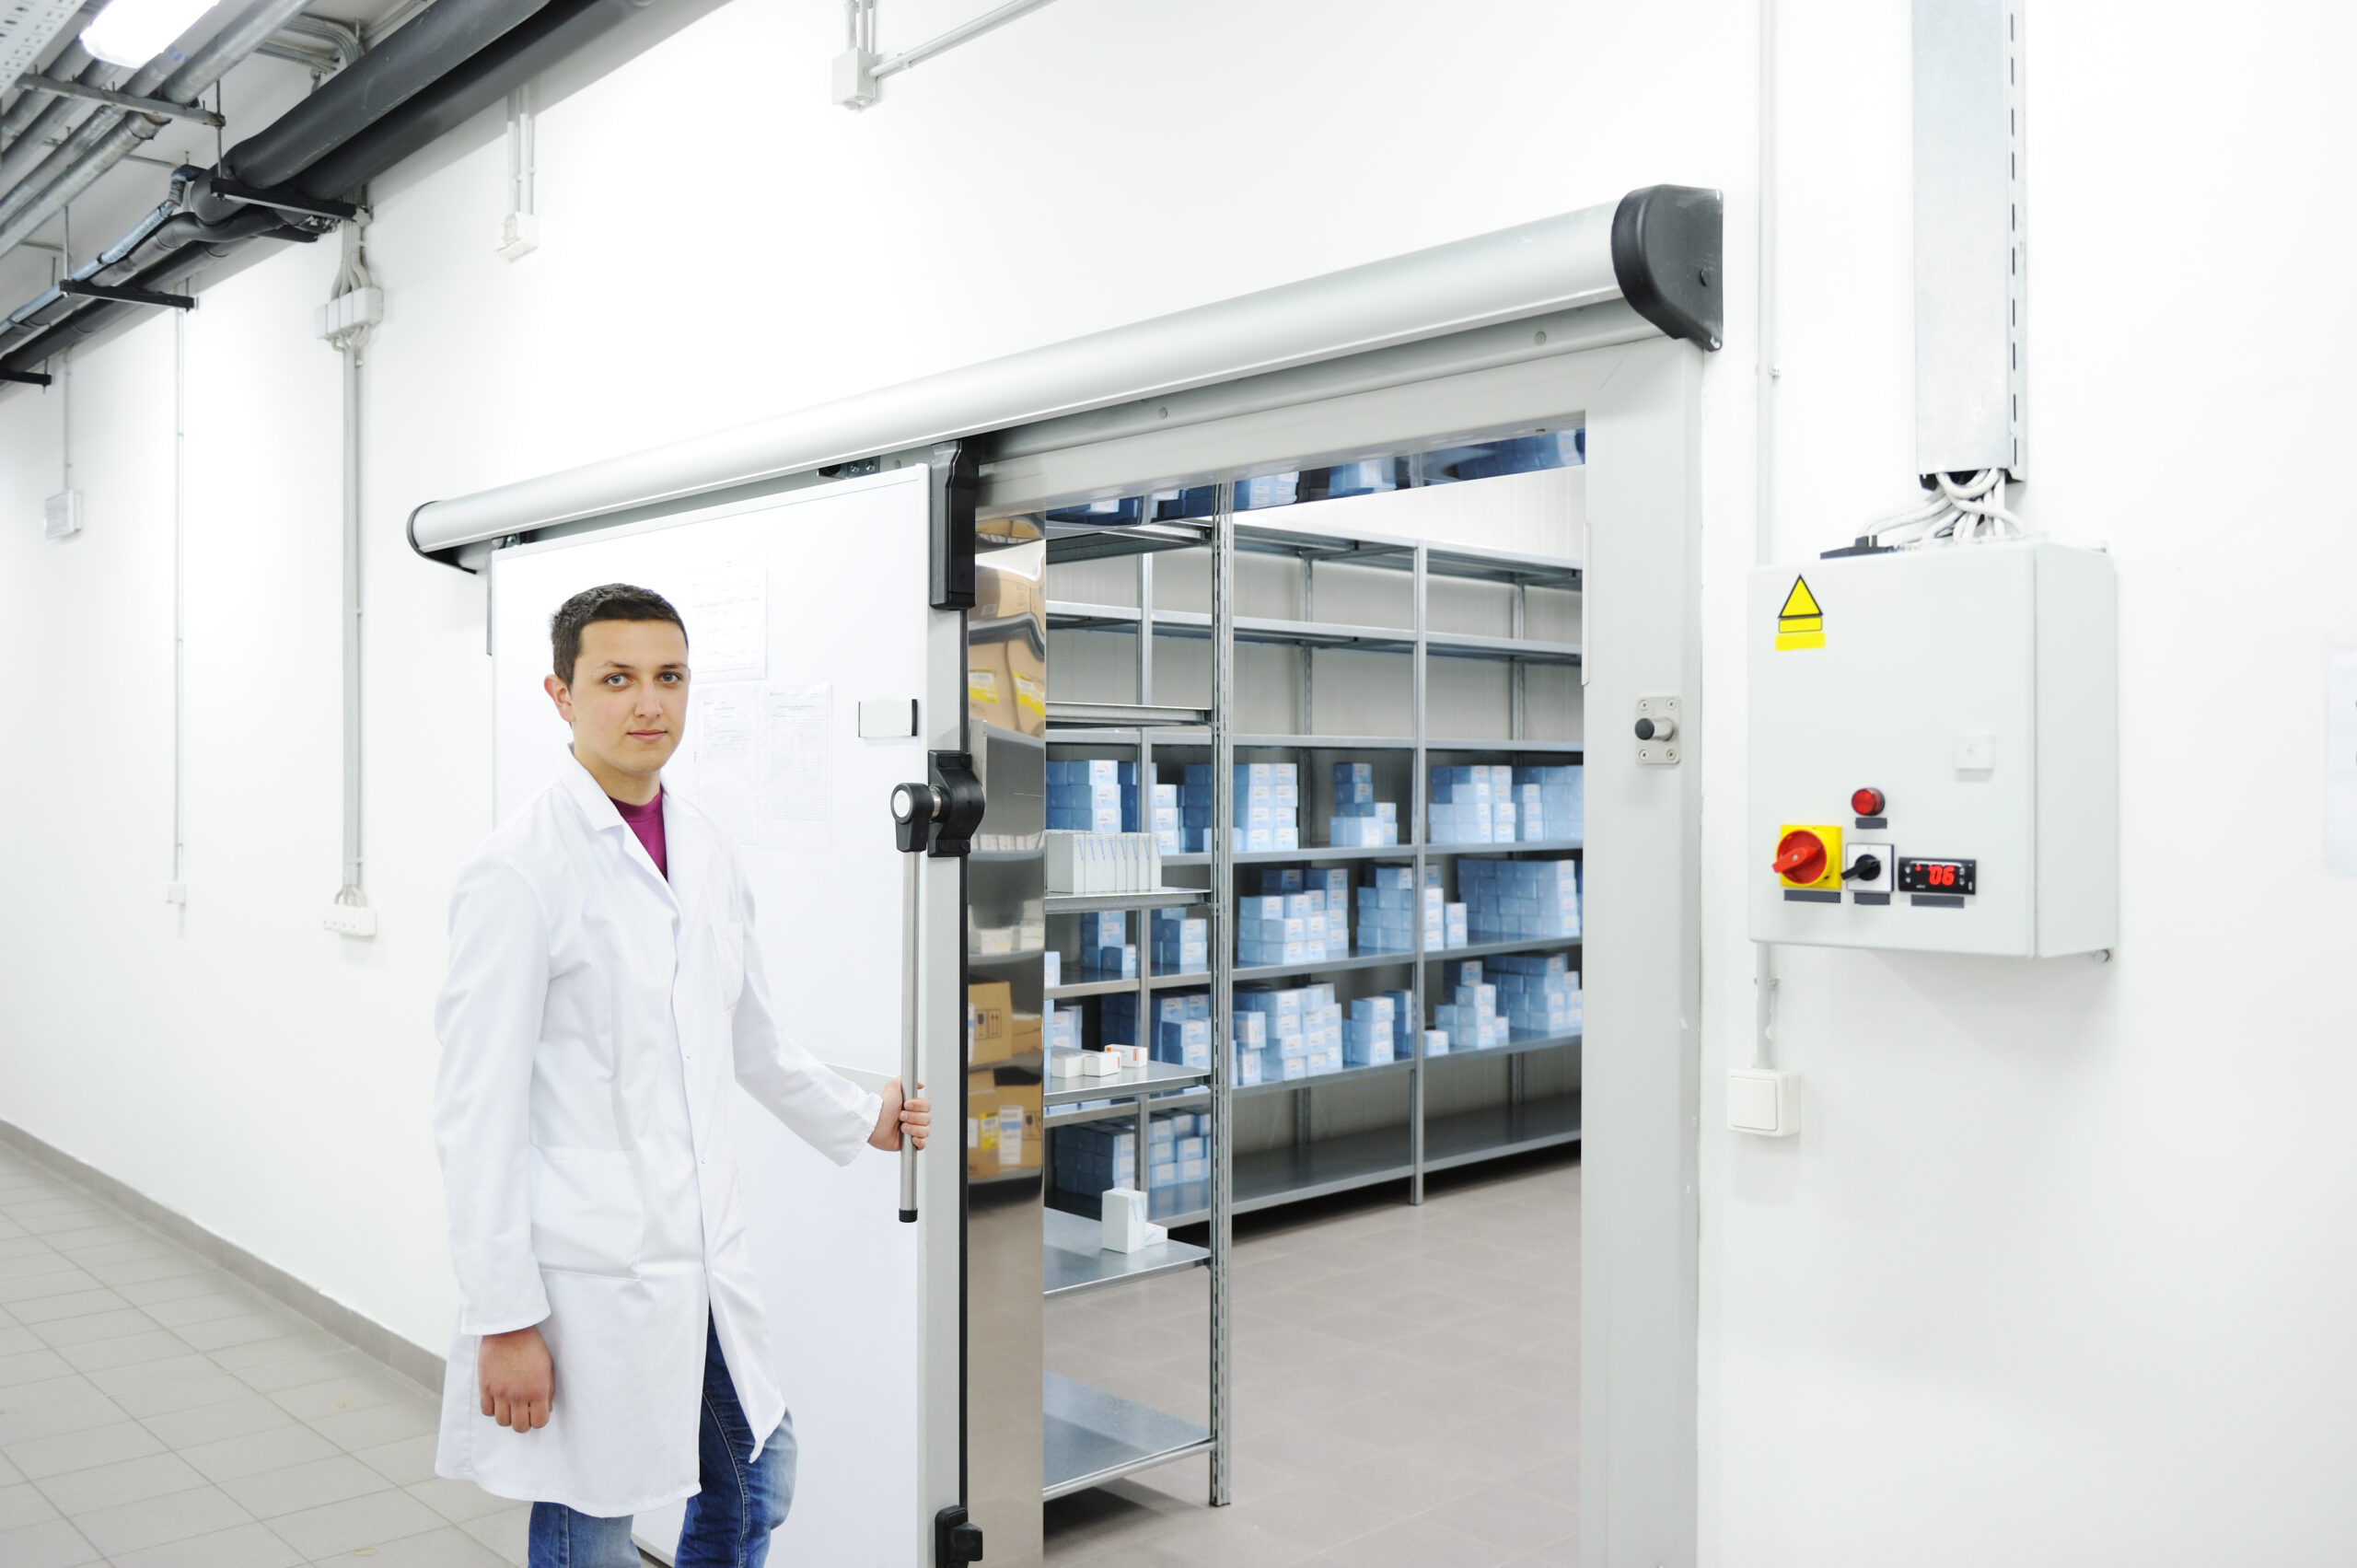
(1801, 623)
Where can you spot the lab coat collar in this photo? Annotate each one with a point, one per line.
(597, 808)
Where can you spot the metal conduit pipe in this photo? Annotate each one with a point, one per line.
(556, 31)
(70, 61)
(162, 276)
(387, 77)
(47, 118)
(88, 154)
(162, 232)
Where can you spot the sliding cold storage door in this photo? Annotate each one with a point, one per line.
(799, 608)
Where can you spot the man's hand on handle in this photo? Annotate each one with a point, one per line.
(912, 1117)
(515, 1379)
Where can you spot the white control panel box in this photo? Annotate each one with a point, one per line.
(1935, 752)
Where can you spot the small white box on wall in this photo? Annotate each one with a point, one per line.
(1763, 1100)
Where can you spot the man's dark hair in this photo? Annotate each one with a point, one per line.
(613, 601)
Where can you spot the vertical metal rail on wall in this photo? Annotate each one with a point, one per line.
(1419, 771)
(1222, 1220)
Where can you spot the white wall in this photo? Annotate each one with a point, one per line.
(2053, 1278)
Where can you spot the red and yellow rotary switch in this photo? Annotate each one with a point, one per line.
(1808, 855)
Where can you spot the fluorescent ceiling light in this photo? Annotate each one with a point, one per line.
(133, 32)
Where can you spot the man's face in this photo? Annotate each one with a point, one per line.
(628, 703)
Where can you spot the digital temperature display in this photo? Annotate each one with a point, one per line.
(1936, 876)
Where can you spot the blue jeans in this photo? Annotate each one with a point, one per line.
(728, 1522)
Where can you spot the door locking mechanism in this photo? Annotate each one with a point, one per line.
(1658, 738)
(936, 819)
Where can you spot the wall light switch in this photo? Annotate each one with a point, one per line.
(1975, 753)
(1763, 1100)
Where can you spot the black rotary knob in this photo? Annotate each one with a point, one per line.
(1867, 867)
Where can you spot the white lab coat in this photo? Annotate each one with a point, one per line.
(595, 1024)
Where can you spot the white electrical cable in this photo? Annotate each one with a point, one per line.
(1971, 513)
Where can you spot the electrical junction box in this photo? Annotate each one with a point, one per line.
(61, 514)
(1935, 752)
(1763, 1100)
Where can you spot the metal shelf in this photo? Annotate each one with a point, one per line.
(1511, 1048)
(1186, 735)
(1091, 1437)
(1355, 961)
(1500, 1131)
(1013, 956)
(1490, 949)
(1067, 615)
(1100, 903)
(1346, 1075)
(1324, 743)
(1321, 852)
(1076, 1261)
(1519, 846)
(1564, 748)
(1132, 715)
(1503, 566)
(1076, 989)
(1128, 1083)
(1125, 1110)
(1268, 1177)
(1529, 650)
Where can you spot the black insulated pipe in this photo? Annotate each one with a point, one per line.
(444, 37)
(559, 29)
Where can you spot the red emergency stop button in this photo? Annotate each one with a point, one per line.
(1866, 802)
(1800, 856)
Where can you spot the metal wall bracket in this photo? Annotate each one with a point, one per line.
(26, 378)
(285, 200)
(162, 108)
(122, 295)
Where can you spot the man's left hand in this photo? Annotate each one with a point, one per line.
(898, 1117)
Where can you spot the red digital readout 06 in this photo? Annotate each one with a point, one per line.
(1937, 875)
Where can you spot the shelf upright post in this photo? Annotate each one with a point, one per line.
(1519, 731)
(1419, 773)
(1223, 955)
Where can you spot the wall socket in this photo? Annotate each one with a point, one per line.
(350, 920)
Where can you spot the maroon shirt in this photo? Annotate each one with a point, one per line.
(647, 821)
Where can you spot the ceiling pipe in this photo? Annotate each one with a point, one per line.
(35, 119)
(388, 76)
(107, 138)
(178, 248)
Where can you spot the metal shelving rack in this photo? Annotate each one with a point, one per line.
(1093, 1436)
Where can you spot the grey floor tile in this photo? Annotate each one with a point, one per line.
(210, 1423)
(23, 1503)
(405, 1461)
(202, 1307)
(30, 1265)
(9, 1474)
(123, 1249)
(293, 1488)
(370, 1521)
(16, 1247)
(130, 1526)
(456, 1500)
(182, 1394)
(449, 1547)
(1418, 1542)
(352, 1389)
(74, 1407)
(273, 1376)
(17, 1339)
(234, 1456)
(173, 1284)
(246, 1328)
(293, 1347)
(87, 1326)
(154, 1373)
(125, 1481)
(81, 1236)
(45, 1457)
(156, 1344)
(1507, 1517)
(33, 1366)
(351, 1430)
(506, 1532)
(134, 1271)
(240, 1546)
(53, 1543)
(72, 1303)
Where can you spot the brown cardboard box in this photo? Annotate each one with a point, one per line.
(1003, 1128)
(990, 1032)
(1006, 685)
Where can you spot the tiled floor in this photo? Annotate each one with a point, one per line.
(156, 1413)
(1407, 1393)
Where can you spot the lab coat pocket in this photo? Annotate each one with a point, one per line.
(728, 950)
(587, 1215)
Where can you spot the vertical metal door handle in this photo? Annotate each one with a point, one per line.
(915, 808)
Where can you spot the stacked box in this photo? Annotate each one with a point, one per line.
(1512, 900)
(1549, 803)
(1470, 1018)
(1154, 809)
(1091, 795)
(1370, 1035)
(1435, 1042)
(1390, 908)
(1288, 928)
(1359, 818)
(1106, 953)
(1097, 1155)
(1300, 1028)
(1267, 814)
(1182, 1030)
(1181, 946)
(1195, 810)
(1462, 809)
(1539, 995)
(1059, 1027)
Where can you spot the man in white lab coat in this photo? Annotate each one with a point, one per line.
(605, 999)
